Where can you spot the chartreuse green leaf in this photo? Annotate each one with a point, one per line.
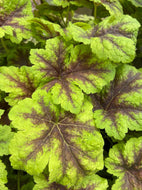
(137, 3)
(125, 162)
(113, 6)
(69, 70)
(93, 182)
(69, 145)
(119, 108)
(3, 176)
(18, 82)
(63, 3)
(14, 16)
(113, 38)
(5, 137)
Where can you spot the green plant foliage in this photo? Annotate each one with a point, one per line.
(69, 71)
(92, 182)
(14, 15)
(124, 161)
(5, 138)
(45, 29)
(137, 3)
(70, 94)
(113, 6)
(3, 176)
(112, 38)
(70, 145)
(18, 82)
(120, 106)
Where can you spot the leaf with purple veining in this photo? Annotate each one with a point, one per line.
(119, 108)
(14, 16)
(69, 145)
(69, 71)
(125, 162)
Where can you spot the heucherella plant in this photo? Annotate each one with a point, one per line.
(70, 94)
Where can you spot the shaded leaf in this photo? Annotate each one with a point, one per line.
(43, 29)
(92, 182)
(113, 38)
(69, 70)
(125, 162)
(18, 82)
(70, 145)
(14, 17)
(113, 6)
(137, 3)
(120, 106)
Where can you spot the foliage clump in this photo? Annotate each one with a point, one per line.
(70, 94)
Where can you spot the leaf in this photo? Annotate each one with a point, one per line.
(113, 6)
(69, 145)
(43, 29)
(92, 182)
(18, 82)
(63, 3)
(113, 38)
(3, 176)
(125, 161)
(120, 107)
(137, 3)
(70, 70)
(5, 138)
(14, 15)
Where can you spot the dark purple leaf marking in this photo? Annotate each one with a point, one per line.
(115, 30)
(60, 73)
(8, 18)
(61, 129)
(26, 86)
(55, 186)
(51, 32)
(110, 101)
(133, 173)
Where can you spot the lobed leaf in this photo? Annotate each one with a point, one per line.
(113, 38)
(125, 161)
(69, 70)
(69, 145)
(14, 16)
(92, 182)
(18, 82)
(119, 108)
